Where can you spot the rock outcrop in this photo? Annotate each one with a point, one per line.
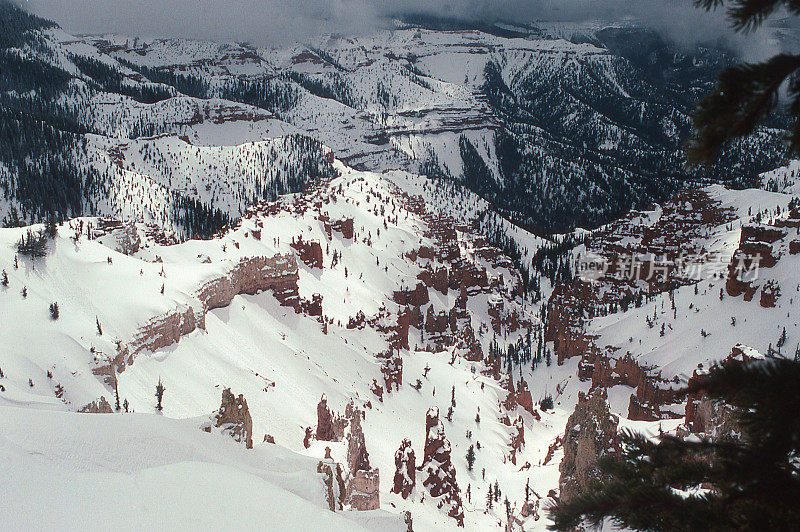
(333, 484)
(233, 418)
(416, 298)
(310, 252)
(363, 482)
(252, 275)
(162, 331)
(517, 439)
(711, 417)
(591, 433)
(98, 406)
(405, 470)
(392, 370)
(121, 236)
(440, 475)
(324, 421)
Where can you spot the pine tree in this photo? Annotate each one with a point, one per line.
(470, 457)
(50, 227)
(489, 499)
(746, 94)
(160, 389)
(99, 329)
(752, 482)
(4, 279)
(54, 312)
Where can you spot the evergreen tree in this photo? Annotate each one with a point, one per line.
(33, 244)
(746, 94)
(470, 457)
(54, 312)
(50, 227)
(4, 279)
(751, 482)
(160, 389)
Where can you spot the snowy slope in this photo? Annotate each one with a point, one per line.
(94, 472)
(281, 361)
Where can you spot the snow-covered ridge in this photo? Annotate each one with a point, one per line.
(280, 359)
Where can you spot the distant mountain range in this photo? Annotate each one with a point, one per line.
(556, 133)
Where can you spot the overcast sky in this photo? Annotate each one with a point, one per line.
(275, 22)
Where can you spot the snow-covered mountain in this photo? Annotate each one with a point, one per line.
(557, 129)
(281, 288)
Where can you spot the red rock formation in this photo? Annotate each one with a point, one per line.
(401, 332)
(770, 293)
(503, 320)
(467, 275)
(125, 238)
(427, 252)
(405, 470)
(416, 297)
(313, 307)
(98, 406)
(436, 324)
(392, 369)
(165, 330)
(415, 317)
(704, 416)
(357, 455)
(591, 433)
(251, 276)
(521, 397)
(437, 279)
(565, 321)
(233, 417)
(357, 322)
(759, 247)
(441, 475)
(324, 421)
(460, 323)
(310, 252)
(333, 484)
(652, 391)
(517, 439)
(363, 485)
(377, 389)
(345, 227)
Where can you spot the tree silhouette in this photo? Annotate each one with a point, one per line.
(746, 94)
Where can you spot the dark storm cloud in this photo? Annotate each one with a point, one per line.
(280, 21)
